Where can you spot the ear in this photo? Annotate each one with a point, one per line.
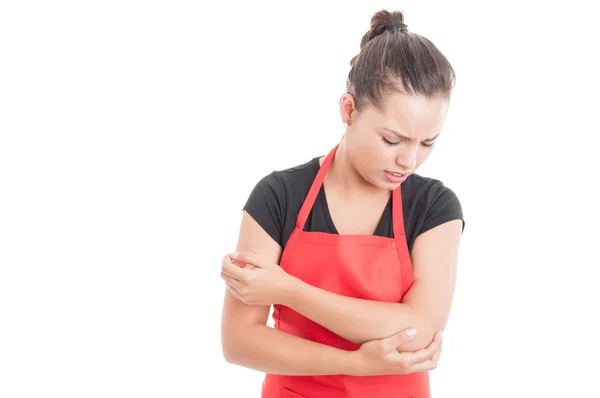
(347, 108)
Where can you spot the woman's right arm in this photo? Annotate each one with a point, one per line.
(248, 341)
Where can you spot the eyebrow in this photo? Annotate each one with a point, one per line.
(408, 138)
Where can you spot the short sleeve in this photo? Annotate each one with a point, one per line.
(266, 205)
(443, 206)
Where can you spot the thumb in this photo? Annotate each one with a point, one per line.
(395, 340)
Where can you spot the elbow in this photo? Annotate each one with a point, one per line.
(230, 352)
(429, 326)
(235, 346)
(228, 348)
(426, 328)
(227, 354)
(231, 356)
(427, 321)
(424, 336)
(421, 340)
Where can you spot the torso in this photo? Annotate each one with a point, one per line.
(353, 263)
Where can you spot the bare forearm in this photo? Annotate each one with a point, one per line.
(359, 320)
(268, 350)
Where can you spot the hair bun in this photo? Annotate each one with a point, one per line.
(400, 25)
(383, 21)
(398, 61)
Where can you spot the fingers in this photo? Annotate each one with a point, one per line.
(436, 356)
(234, 292)
(425, 366)
(230, 281)
(395, 340)
(230, 258)
(234, 286)
(248, 258)
(422, 359)
(430, 364)
(232, 270)
(235, 276)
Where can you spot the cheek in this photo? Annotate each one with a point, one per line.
(360, 143)
(375, 152)
(368, 152)
(379, 157)
(422, 156)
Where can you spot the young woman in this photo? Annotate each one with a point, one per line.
(356, 253)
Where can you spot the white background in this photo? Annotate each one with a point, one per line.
(133, 132)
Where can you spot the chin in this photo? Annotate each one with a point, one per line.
(383, 184)
(389, 186)
(377, 180)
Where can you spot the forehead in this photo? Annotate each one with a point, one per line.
(414, 115)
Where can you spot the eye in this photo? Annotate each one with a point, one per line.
(390, 143)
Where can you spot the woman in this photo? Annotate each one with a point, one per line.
(355, 251)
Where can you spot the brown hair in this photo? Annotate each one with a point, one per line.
(392, 58)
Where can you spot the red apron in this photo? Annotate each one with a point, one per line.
(362, 266)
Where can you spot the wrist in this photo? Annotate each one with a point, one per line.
(353, 364)
(290, 291)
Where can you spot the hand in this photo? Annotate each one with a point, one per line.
(255, 281)
(380, 357)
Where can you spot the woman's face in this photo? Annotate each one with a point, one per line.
(387, 145)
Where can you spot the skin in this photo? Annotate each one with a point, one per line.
(356, 180)
(363, 155)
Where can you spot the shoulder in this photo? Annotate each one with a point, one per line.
(284, 182)
(437, 202)
(279, 194)
(431, 188)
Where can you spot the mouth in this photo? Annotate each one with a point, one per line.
(395, 178)
(397, 174)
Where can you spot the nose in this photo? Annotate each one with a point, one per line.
(407, 157)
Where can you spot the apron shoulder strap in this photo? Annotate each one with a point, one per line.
(309, 201)
(397, 215)
(401, 241)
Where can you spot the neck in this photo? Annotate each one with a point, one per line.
(344, 177)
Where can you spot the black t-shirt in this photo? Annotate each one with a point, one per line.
(277, 198)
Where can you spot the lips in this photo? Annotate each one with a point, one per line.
(394, 177)
(397, 174)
